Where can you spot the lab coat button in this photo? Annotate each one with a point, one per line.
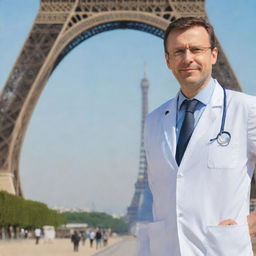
(180, 175)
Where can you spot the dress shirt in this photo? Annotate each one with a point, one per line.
(204, 97)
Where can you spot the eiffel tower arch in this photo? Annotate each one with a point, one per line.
(59, 27)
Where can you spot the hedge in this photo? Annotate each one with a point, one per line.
(17, 211)
(97, 219)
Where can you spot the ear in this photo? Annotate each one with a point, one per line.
(214, 53)
(168, 61)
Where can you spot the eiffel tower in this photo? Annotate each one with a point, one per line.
(60, 26)
(141, 204)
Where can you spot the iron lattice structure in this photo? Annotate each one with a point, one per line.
(61, 25)
(141, 204)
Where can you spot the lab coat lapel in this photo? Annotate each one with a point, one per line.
(169, 128)
(199, 138)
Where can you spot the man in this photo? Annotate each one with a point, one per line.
(98, 238)
(91, 237)
(37, 234)
(75, 239)
(200, 181)
(83, 236)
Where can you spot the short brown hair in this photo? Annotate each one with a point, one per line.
(184, 23)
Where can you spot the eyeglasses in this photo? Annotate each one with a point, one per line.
(196, 51)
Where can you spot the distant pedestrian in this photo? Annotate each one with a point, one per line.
(37, 234)
(22, 233)
(26, 234)
(105, 237)
(98, 238)
(91, 237)
(75, 239)
(83, 236)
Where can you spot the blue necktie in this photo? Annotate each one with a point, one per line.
(187, 128)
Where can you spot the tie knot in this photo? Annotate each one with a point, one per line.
(191, 105)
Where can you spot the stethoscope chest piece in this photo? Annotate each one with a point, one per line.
(223, 138)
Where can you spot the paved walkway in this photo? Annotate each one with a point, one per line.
(60, 247)
(126, 247)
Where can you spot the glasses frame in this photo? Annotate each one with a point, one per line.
(194, 50)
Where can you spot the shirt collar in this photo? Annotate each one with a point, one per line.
(204, 96)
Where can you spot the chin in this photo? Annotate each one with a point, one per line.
(190, 81)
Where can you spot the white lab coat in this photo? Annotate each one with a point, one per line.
(211, 184)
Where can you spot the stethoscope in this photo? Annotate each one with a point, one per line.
(223, 137)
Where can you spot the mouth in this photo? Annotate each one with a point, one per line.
(188, 69)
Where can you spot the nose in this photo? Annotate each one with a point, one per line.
(188, 56)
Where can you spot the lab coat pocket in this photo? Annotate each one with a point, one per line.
(223, 156)
(232, 240)
(158, 239)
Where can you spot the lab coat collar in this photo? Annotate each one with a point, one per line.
(169, 127)
(217, 97)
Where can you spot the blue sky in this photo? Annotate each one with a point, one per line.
(82, 144)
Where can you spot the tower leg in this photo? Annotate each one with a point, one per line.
(7, 182)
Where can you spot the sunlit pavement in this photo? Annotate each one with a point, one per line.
(59, 247)
(126, 247)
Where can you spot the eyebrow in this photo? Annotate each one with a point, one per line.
(192, 46)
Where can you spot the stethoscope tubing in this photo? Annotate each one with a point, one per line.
(223, 120)
(224, 113)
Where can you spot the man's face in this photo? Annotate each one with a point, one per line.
(190, 57)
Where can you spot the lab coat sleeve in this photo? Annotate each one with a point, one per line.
(252, 130)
